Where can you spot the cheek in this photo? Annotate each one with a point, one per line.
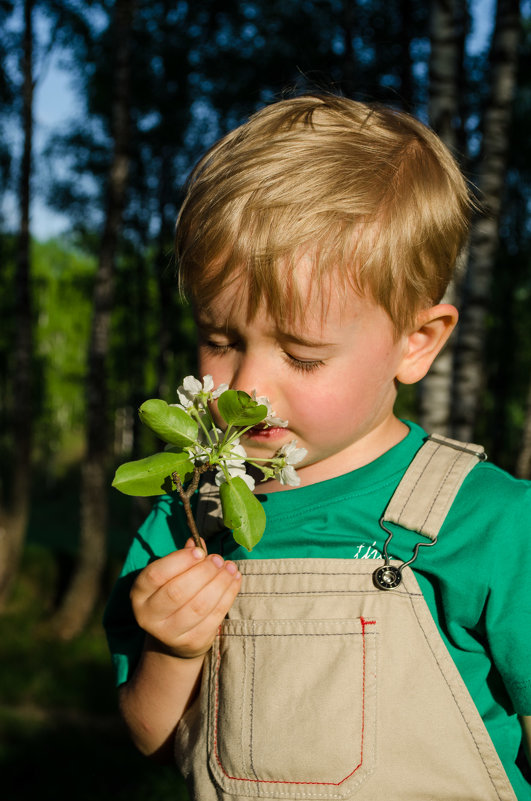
(341, 400)
(210, 365)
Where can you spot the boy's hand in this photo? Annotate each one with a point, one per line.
(182, 598)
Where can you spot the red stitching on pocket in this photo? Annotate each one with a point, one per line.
(364, 624)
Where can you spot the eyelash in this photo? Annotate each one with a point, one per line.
(302, 366)
(213, 347)
(297, 364)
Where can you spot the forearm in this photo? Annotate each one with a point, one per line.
(156, 697)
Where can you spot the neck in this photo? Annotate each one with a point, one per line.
(361, 453)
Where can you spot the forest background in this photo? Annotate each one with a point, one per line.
(91, 323)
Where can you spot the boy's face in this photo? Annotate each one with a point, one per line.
(331, 376)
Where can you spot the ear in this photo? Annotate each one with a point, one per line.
(431, 332)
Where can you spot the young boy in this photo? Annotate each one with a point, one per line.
(315, 244)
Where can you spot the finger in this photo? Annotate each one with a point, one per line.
(191, 544)
(159, 572)
(207, 600)
(199, 622)
(180, 590)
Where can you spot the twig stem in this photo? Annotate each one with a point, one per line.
(185, 497)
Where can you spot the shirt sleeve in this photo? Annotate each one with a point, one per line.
(163, 531)
(508, 607)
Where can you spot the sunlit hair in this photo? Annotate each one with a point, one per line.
(368, 196)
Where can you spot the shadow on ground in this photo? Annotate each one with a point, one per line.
(86, 759)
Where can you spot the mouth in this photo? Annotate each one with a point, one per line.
(265, 433)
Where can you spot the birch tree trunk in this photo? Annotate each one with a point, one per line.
(469, 372)
(14, 518)
(435, 391)
(83, 592)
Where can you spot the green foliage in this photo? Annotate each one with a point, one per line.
(169, 423)
(152, 475)
(62, 284)
(242, 512)
(238, 409)
(203, 447)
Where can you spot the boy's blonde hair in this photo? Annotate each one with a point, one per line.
(369, 195)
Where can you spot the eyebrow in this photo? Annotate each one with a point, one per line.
(214, 327)
(307, 343)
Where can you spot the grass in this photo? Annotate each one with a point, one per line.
(60, 734)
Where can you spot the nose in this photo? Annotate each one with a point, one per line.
(251, 373)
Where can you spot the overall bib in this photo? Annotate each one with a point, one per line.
(329, 679)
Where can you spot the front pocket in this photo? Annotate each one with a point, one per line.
(292, 707)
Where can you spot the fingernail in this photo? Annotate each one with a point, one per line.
(218, 561)
(198, 553)
(231, 568)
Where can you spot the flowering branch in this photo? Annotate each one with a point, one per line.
(195, 444)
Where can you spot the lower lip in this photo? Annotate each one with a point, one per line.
(264, 434)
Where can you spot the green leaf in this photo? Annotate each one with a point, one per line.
(152, 475)
(242, 512)
(239, 409)
(169, 423)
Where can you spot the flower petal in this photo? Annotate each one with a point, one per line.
(192, 385)
(220, 390)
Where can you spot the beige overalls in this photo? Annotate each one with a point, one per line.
(329, 679)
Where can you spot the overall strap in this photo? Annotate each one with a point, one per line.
(429, 486)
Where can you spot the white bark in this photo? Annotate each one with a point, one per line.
(469, 376)
(436, 389)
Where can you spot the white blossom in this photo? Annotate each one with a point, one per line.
(287, 475)
(234, 463)
(194, 392)
(234, 472)
(208, 383)
(219, 391)
(291, 453)
(200, 454)
(271, 419)
(189, 390)
(288, 455)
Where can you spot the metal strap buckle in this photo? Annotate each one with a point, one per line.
(388, 576)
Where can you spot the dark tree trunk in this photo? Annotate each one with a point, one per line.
(83, 591)
(406, 67)
(165, 285)
(523, 464)
(469, 375)
(14, 518)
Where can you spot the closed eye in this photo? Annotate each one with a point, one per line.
(217, 348)
(304, 365)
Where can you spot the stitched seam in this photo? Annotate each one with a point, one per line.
(455, 699)
(294, 634)
(280, 574)
(306, 572)
(364, 624)
(437, 494)
(414, 486)
(329, 592)
(245, 693)
(251, 720)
